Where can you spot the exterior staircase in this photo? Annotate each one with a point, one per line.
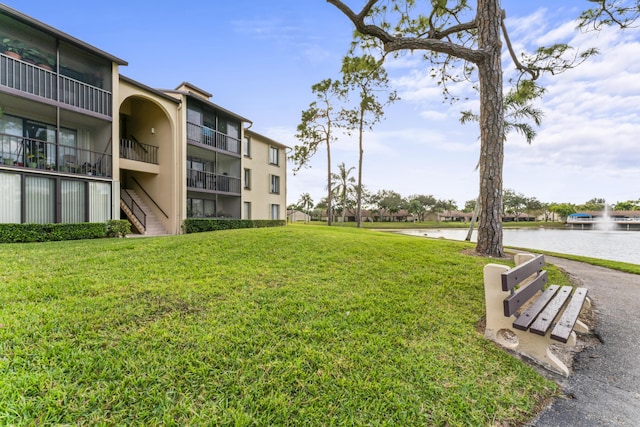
(140, 215)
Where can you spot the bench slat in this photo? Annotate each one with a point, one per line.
(563, 328)
(529, 315)
(545, 319)
(513, 277)
(513, 302)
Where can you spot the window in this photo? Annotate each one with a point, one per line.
(99, 202)
(274, 156)
(246, 147)
(72, 195)
(275, 184)
(247, 210)
(10, 198)
(275, 211)
(40, 195)
(247, 179)
(201, 208)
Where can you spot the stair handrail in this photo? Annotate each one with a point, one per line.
(139, 144)
(133, 178)
(134, 207)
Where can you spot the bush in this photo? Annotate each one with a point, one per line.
(200, 225)
(118, 228)
(23, 233)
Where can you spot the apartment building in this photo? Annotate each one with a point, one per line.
(263, 157)
(79, 142)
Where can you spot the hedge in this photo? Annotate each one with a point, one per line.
(22, 233)
(200, 225)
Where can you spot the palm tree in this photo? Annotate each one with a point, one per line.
(306, 203)
(343, 186)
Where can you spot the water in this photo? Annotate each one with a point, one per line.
(612, 245)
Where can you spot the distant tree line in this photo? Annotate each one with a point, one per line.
(420, 206)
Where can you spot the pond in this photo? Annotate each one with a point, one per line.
(612, 245)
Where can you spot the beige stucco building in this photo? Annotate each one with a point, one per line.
(263, 158)
(80, 142)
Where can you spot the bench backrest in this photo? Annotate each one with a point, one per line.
(516, 276)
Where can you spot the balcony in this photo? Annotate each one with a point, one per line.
(38, 81)
(20, 152)
(203, 135)
(133, 150)
(199, 180)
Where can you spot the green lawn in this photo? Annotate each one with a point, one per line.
(264, 327)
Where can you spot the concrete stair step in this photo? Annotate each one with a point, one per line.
(153, 226)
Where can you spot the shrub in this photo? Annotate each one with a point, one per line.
(118, 228)
(23, 233)
(199, 225)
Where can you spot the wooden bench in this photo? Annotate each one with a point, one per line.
(526, 317)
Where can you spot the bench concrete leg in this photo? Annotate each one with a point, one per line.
(538, 348)
(581, 327)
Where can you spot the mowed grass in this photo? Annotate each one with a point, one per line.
(285, 326)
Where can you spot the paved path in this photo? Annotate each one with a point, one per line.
(604, 389)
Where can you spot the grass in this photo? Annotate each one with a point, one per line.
(285, 326)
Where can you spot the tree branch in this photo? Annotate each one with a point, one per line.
(534, 73)
(393, 43)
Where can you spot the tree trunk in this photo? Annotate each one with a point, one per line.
(329, 207)
(474, 218)
(489, 17)
(361, 155)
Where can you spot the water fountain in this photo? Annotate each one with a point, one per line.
(606, 222)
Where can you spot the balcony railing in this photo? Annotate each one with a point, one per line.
(25, 77)
(32, 153)
(134, 150)
(206, 136)
(200, 180)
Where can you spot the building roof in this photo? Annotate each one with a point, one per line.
(191, 90)
(149, 89)
(32, 22)
(249, 132)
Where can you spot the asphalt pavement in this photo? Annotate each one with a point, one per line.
(604, 388)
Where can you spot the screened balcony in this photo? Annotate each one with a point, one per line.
(201, 180)
(22, 152)
(66, 88)
(203, 135)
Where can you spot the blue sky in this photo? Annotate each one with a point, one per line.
(260, 59)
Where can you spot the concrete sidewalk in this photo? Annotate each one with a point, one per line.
(604, 389)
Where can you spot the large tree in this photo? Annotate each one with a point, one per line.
(367, 76)
(451, 33)
(420, 205)
(316, 127)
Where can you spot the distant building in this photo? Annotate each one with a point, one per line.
(297, 216)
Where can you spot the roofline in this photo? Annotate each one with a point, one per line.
(206, 101)
(25, 19)
(196, 88)
(149, 89)
(271, 141)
